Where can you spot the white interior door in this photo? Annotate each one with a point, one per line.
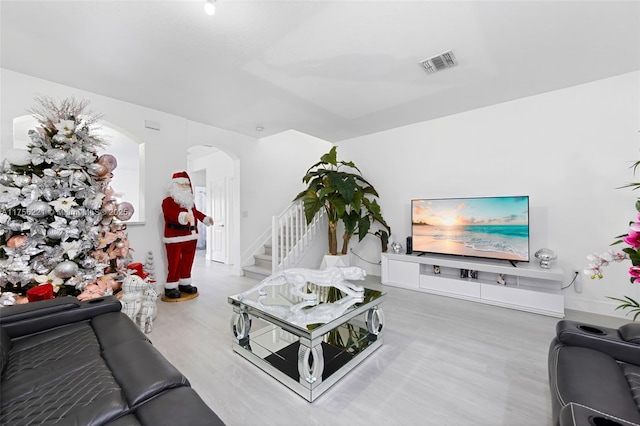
(219, 233)
(200, 195)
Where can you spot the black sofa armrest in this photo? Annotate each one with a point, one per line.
(622, 344)
(580, 415)
(34, 317)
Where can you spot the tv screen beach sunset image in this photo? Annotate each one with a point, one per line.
(493, 227)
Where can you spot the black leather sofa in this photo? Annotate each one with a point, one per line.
(594, 375)
(67, 362)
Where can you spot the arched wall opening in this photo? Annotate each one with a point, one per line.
(215, 177)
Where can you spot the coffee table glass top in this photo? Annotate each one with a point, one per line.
(324, 306)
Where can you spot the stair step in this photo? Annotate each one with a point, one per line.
(263, 260)
(256, 272)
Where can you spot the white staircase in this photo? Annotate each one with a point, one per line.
(290, 239)
(261, 268)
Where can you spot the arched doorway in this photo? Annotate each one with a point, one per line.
(212, 173)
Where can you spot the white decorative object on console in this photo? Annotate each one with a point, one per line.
(527, 287)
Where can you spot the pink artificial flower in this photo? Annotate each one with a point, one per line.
(100, 257)
(633, 239)
(635, 226)
(634, 271)
(106, 239)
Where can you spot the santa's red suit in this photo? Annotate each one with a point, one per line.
(180, 234)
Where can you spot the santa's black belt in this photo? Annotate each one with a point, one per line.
(181, 227)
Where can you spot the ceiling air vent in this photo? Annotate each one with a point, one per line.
(438, 63)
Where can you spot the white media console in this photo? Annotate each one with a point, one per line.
(527, 286)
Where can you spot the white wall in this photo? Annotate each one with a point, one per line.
(568, 150)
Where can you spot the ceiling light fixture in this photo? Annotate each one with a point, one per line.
(209, 7)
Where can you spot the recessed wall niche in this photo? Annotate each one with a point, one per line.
(128, 177)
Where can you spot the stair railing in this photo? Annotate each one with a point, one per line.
(291, 236)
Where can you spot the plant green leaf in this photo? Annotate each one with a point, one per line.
(363, 227)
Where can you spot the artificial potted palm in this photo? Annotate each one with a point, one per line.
(339, 188)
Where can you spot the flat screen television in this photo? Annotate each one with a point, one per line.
(486, 227)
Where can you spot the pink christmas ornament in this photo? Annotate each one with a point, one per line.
(124, 211)
(17, 241)
(109, 161)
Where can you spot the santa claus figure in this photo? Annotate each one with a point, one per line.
(181, 235)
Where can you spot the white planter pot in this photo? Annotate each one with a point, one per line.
(340, 260)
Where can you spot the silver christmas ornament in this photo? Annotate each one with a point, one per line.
(18, 157)
(66, 269)
(38, 209)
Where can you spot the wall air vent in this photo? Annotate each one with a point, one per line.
(438, 63)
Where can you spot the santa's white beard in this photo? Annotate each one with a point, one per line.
(182, 196)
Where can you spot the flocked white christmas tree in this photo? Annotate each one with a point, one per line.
(59, 221)
(150, 267)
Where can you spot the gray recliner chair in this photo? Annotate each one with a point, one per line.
(594, 375)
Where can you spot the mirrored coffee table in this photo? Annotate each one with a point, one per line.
(307, 346)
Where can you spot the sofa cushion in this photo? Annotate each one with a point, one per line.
(59, 375)
(592, 379)
(56, 347)
(80, 390)
(115, 328)
(141, 370)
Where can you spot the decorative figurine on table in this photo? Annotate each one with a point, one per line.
(305, 308)
(298, 278)
(546, 256)
(180, 237)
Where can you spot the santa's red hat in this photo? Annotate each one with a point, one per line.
(181, 177)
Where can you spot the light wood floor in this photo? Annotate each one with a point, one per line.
(444, 362)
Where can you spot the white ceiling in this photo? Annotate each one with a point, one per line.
(332, 69)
